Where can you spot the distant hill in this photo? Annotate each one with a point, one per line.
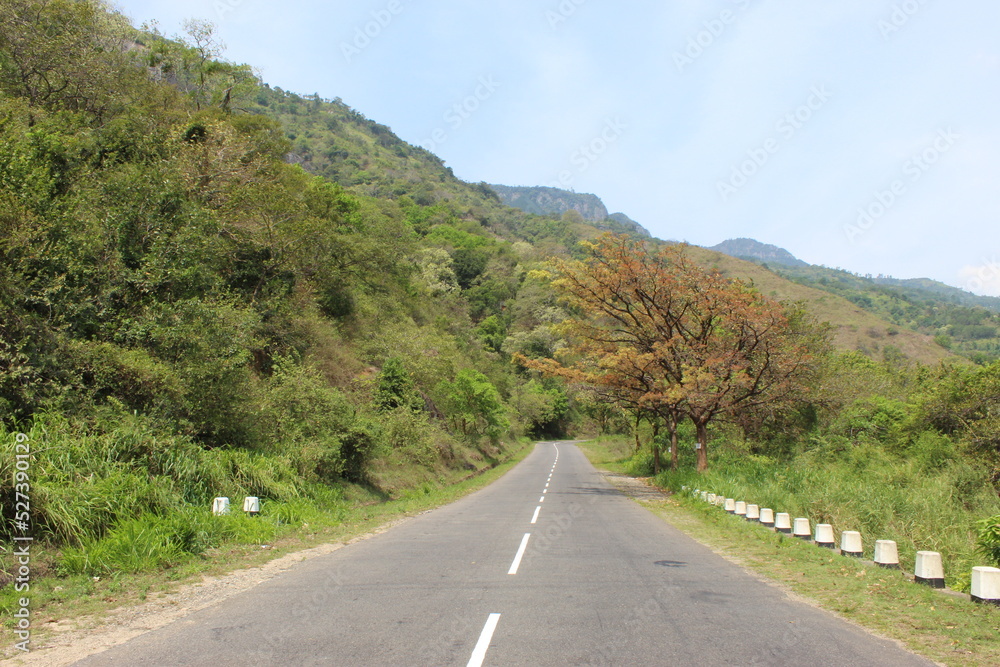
(957, 320)
(854, 327)
(628, 224)
(755, 251)
(552, 201)
(946, 292)
(541, 200)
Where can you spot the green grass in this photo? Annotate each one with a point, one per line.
(949, 629)
(883, 497)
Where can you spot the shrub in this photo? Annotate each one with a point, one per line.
(988, 541)
(474, 405)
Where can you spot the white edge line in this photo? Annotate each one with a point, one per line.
(534, 518)
(520, 554)
(483, 645)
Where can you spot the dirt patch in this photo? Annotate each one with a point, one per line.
(637, 488)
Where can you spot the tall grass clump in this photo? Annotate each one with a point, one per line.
(117, 479)
(923, 498)
(152, 542)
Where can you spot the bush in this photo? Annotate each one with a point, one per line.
(988, 541)
(412, 436)
(933, 451)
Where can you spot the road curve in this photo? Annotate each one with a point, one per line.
(549, 565)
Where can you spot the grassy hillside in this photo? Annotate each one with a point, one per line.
(853, 327)
(965, 323)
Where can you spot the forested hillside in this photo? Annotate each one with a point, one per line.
(209, 286)
(187, 313)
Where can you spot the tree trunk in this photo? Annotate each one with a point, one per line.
(656, 447)
(638, 442)
(702, 447)
(674, 454)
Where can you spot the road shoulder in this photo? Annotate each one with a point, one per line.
(948, 630)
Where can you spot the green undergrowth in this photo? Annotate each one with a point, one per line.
(921, 504)
(947, 628)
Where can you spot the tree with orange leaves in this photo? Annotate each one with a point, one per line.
(676, 340)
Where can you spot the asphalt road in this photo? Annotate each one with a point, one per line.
(547, 566)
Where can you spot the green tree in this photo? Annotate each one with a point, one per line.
(394, 388)
(474, 405)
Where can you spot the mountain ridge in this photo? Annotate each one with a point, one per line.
(756, 251)
(546, 200)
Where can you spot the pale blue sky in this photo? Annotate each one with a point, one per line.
(701, 120)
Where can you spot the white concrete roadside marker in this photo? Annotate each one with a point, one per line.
(753, 513)
(886, 554)
(251, 505)
(928, 569)
(850, 544)
(483, 645)
(825, 537)
(704, 496)
(767, 517)
(730, 505)
(710, 498)
(741, 508)
(986, 585)
(220, 506)
(520, 554)
(783, 523)
(802, 529)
